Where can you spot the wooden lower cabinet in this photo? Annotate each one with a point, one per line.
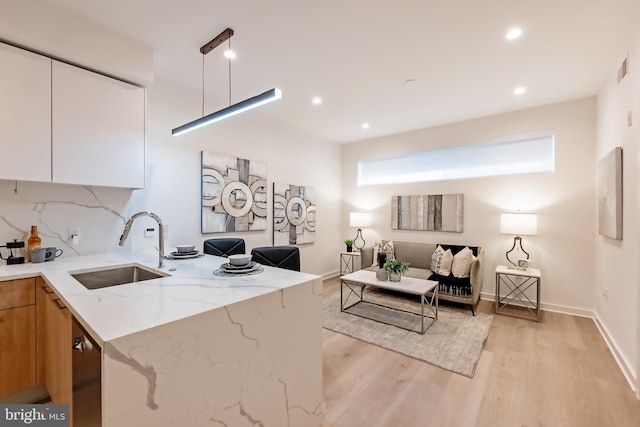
(35, 344)
(17, 336)
(17, 349)
(41, 323)
(57, 350)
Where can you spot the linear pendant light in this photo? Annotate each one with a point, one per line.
(232, 110)
(240, 107)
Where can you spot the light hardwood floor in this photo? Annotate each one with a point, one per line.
(558, 372)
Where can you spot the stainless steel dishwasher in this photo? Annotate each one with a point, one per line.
(86, 367)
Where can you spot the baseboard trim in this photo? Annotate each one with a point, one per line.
(562, 309)
(573, 311)
(622, 363)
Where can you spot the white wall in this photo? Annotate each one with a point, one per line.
(173, 164)
(564, 200)
(617, 266)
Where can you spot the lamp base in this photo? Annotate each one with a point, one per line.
(355, 240)
(517, 241)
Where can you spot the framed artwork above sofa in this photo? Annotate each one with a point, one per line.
(441, 212)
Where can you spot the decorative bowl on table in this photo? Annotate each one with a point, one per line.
(185, 249)
(240, 259)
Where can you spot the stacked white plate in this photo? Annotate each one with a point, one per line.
(240, 269)
(185, 255)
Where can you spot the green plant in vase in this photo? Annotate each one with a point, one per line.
(396, 269)
(349, 244)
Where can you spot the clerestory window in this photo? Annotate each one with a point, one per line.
(531, 155)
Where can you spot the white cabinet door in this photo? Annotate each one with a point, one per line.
(25, 115)
(97, 129)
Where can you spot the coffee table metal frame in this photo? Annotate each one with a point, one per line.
(357, 281)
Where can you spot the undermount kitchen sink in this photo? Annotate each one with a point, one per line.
(112, 276)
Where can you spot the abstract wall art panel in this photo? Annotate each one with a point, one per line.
(610, 195)
(294, 214)
(442, 212)
(234, 194)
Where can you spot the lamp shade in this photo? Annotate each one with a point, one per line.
(360, 219)
(519, 224)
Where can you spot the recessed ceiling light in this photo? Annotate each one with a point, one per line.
(229, 54)
(316, 100)
(513, 33)
(365, 126)
(519, 90)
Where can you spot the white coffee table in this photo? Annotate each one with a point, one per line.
(357, 281)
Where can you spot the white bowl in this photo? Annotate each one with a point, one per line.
(240, 259)
(185, 248)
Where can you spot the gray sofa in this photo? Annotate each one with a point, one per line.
(418, 255)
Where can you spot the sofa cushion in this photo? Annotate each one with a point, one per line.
(416, 254)
(417, 273)
(461, 266)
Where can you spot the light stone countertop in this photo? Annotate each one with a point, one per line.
(117, 311)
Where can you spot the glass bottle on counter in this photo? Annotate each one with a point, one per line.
(34, 241)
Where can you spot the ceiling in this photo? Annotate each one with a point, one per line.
(358, 54)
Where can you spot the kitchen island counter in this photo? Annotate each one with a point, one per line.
(193, 346)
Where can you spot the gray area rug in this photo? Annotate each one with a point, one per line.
(453, 342)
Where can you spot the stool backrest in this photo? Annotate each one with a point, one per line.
(277, 256)
(224, 246)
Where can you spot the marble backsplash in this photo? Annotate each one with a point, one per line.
(99, 213)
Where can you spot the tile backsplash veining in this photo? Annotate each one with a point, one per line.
(98, 212)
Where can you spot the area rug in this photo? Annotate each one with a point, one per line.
(453, 342)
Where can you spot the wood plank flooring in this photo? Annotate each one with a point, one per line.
(558, 372)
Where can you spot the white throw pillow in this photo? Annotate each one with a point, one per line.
(377, 247)
(461, 266)
(441, 261)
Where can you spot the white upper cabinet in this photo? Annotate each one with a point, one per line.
(97, 129)
(25, 115)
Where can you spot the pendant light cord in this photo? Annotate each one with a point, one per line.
(229, 58)
(202, 85)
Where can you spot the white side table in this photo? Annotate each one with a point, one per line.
(515, 283)
(349, 262)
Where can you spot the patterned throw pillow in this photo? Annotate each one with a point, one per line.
(461, 266)
(441, 261)
(388, 248)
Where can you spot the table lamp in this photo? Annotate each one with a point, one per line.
(359, 220)
(518, 224)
